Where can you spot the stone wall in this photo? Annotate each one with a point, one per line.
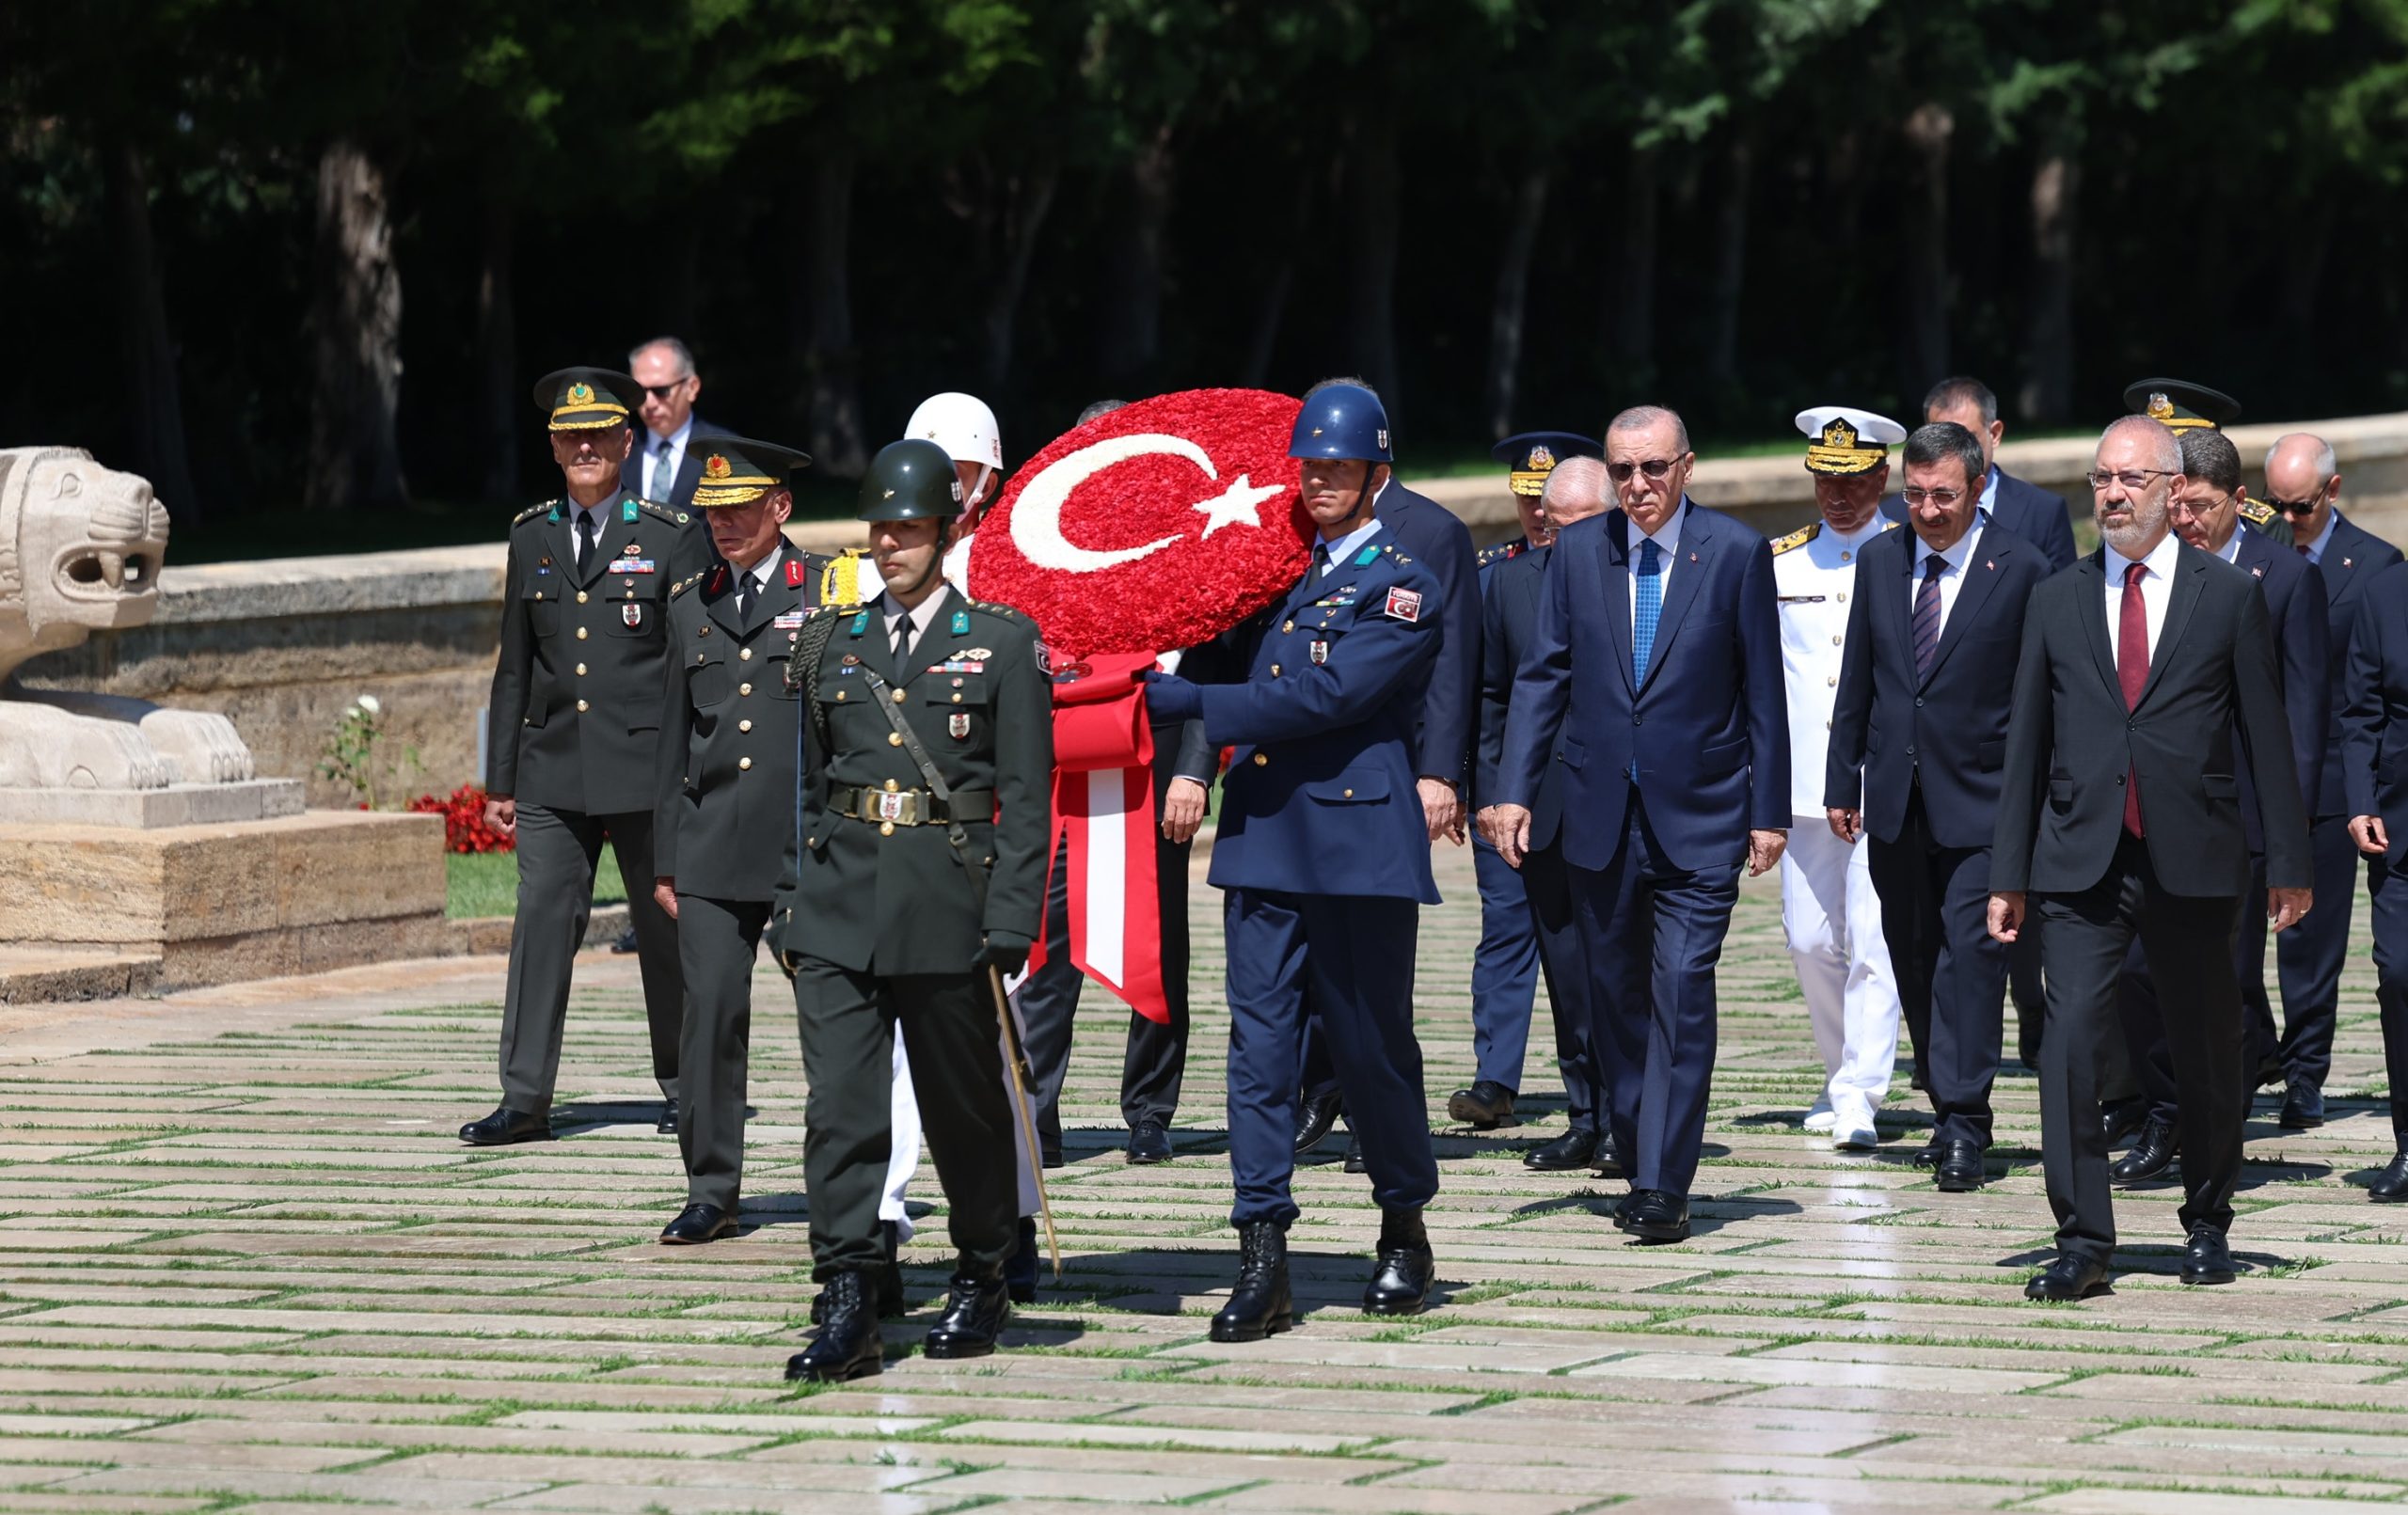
(283, 647)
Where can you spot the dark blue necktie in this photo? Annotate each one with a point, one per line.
(1650, 608)
(1927, 616)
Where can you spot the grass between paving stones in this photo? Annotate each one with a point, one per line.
(479, 884)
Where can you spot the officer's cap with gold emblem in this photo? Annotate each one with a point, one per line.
(1843, 441)
(1532, 455)
(738, 470)
(586, 399)
(2180, 405)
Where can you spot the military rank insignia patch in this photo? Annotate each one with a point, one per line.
(958, 725)
(1402, 605)
(1321, 652)
(789, 620)
(631, 614)
(794, 573)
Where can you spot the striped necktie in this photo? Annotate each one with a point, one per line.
(1927, 616)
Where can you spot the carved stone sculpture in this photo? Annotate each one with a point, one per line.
(80, 550)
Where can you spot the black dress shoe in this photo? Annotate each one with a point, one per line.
(1654, 1215)
(698, 1223)
(666, 1125)
(1574, 1148)
(848, 1345)
(2391, 1186)
(627, 942)
(1483, 1107)
(2206, 1260)
(1260, 1303)
(2069, 1278)
(1020, 1271)
(2270, 1074)
(2150, 1157)
(2122, 1118)
(1316, 1116)
(1148, 1144)
(1354, 1162)
(886, 1285)
(1401, 1278)
(1607, 1162)
(1928, 1154)
(1961, 1170)
(975, 1314)
(505, 1127)
(2302, 1108)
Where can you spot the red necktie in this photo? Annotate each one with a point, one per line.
(2302, 547)
(2132, 672)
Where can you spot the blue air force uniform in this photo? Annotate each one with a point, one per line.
(1325, 860)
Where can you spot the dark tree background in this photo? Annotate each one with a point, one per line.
(280, 253)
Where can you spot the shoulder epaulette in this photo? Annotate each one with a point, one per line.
(992, 609)
(2257, 513)
(1797, 539)
(532, 511)
(1889, 525)
(1501, 551)
(685, 584)
(651, 507)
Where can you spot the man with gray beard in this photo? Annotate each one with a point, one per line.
(2120, 816)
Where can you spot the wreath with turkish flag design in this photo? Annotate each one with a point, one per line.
(1154, 527)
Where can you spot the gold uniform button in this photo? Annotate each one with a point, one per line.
(702, 658)
(744, 726)
(744, 688)
(1275, 670)
(1835, 642)
(894, 739)
(746, 654)
(892, 786)
(1349, 794)
(1842, 597)
(580, 596)
(886, 828)
(898, 697)
(956, 698)
(1286, 627)
(580, 633)
(1832, 682)
(580, 705)
(840, 695)
(580, 670)
(744, 763)
(539, 595)
(1260, 759)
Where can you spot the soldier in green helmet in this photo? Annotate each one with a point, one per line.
(928, 753)
(573, 732)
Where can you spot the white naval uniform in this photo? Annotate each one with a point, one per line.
(1829, 910)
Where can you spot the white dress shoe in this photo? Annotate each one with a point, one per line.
(1856, 1136)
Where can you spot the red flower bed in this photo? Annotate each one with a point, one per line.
(463, 820)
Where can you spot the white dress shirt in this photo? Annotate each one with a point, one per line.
(2323, 538)
(2230, 551)
(2157, 587)
(675, 446)
(1952, 574)
(1668, 547)
(1345, 547)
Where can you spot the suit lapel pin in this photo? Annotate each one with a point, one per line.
(2345, 562)
(1991, 563)
(2258, 572)
(1692, 557)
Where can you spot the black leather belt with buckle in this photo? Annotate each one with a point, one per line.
(914, 807)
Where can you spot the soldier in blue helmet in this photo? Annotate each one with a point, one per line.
(1325, 855)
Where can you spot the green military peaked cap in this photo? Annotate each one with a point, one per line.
(738, 470)
(910, 480)
(587, 400)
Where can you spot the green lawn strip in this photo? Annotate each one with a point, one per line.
(480, 884)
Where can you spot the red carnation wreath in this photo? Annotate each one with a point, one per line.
(1156, 527)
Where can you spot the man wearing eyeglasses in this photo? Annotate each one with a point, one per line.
(2206, 512)
(2119, 818)
(1653, 677)
(667, 467)
(2303, 482)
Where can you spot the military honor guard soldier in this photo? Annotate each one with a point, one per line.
(573, 736)
(927, 738)
(1506, 964)
(1829, 910)
(1324, 852)
(726, 779)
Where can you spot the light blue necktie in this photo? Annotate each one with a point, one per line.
(1649, 607)
(664, 480)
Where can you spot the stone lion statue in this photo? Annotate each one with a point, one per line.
(80, 550)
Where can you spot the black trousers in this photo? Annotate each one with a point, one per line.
(2309, 955)
(847, 1019)
(1951, 973)
(1154, 1059)
(558, 851)
(2085, 938)
(2388, 889)
(2145, 1022)
(717, 943)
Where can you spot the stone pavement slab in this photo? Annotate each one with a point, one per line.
(245, 1267)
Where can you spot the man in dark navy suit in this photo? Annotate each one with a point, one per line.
(667, 468)
(1324, 853)
(2026, 511)
(2120, 815)
(1917, 739)
(2374, 754)
(1537, 897)
(2303, 482)
(1430, 533)
(2206, 513)
(1506, 964)
(1654, 679)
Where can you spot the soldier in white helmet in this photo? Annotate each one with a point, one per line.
(965, 427)
(1829, 910)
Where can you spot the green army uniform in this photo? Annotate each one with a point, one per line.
(573, 736)
(882, 921)
(724, 827)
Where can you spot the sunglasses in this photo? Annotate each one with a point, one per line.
(2299, 507)
(663, 392)
(1653, 469)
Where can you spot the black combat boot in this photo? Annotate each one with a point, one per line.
(848, 1345)
(975, 1314)
(1260, 1304)
(1400, 1280)
(888, 1288)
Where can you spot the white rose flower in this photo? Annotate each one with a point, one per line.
(368, 703)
